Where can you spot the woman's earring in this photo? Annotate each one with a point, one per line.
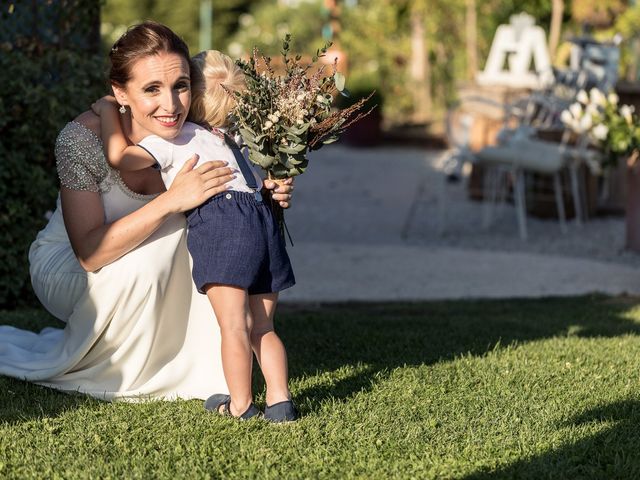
(122, 110)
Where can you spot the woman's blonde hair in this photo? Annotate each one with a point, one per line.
(213, 72)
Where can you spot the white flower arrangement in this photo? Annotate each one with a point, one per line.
(609, 125)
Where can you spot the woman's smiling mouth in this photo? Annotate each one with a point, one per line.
(168, 121)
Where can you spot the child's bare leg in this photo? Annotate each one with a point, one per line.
(268, 347)
(231, 307)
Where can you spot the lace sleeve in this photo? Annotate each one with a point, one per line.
(79, 158)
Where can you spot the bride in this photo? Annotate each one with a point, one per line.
(112, 262)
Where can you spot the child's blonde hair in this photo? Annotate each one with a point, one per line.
(210, 103)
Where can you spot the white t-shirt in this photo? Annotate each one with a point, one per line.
(172, 154)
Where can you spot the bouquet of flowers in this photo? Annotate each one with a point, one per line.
(282, 117)
(608, 124)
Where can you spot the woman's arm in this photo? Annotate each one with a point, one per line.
(97, 244)
(119, 152)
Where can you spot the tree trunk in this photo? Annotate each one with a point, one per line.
(471, 34)
(420, 69)
(557, 9)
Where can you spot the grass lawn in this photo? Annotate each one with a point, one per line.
(475, 390)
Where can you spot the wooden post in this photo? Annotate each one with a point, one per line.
(471, 34)
(420, 68)
(557, 9)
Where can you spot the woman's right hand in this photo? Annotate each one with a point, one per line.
(192, 187)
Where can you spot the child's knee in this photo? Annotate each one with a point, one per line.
(235, 327)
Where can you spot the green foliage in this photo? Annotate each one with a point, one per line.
(269, 21)
(43, 87)
(519, 389)
(183, 17)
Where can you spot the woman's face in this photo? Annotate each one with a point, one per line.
(158, 95)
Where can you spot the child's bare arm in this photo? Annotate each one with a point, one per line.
(120, 154)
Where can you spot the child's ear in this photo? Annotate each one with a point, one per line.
(120, 94)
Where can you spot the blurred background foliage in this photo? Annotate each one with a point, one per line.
(415, 53)
(51, 69)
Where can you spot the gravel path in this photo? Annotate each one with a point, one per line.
(365, 227)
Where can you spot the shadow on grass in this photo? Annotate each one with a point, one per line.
(385, 336)
(379, 338)
(613, 453)
(21, 401)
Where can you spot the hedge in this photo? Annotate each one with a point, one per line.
(43, 87)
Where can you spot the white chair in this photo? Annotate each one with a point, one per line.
(522, 154)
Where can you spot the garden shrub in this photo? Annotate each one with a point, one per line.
(43, 87)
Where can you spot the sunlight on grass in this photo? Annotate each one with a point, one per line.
(496, 389)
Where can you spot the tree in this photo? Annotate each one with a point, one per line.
(556, 26)
(471, 38)
(420, 66)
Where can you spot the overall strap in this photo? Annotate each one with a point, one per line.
(242, 162)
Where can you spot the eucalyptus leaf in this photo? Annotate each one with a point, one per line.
(298, 130)
(299, 160)
(247, 135)
(292, 149)
(294, 138)
(279, 171)
(265, 161)
(283, 158)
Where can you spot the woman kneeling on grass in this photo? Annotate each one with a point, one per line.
(112, 262)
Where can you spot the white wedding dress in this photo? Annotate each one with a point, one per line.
(135, 329)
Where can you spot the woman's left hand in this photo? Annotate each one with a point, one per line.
(281, 193)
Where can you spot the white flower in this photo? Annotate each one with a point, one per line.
(267, 125)
(576, 110)
(583, 97)
(586, 122)
(300, 97)
(627, 113)
(566, 117)
(592, 110)
(613, 98)
(598, 97)
(600, 132)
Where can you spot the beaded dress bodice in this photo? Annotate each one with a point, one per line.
(82, 166)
